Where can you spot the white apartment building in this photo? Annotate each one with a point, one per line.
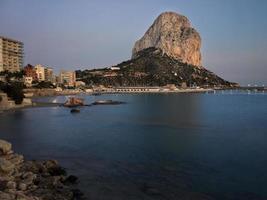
(49, 74)
(40, 71)
(11, 54)
(68, 78)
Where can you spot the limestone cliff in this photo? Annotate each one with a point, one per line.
(173, 34)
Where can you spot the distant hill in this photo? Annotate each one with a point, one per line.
(151, 67)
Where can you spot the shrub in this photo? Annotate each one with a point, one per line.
(14, 90)
(44, 84)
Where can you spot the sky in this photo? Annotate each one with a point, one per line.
(85, 34)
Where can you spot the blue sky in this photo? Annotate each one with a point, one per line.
(83, 34)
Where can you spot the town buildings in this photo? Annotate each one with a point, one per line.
(115, 68)
(49, 74)
(11, 55)
(28, 81)
(67, 78)
(40, 71)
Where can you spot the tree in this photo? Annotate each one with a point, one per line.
(14, 90)
(45, 84)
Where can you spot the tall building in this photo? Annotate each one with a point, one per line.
(40, 71)
(48, 74)
(11, 55)
(68, 78)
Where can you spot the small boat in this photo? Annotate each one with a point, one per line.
(74, 102)
(74, 110)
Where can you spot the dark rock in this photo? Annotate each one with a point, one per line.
(70, 180)
(57, 171)
(3, 185)
(50, 164)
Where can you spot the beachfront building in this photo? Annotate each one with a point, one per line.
(80, 83)
(115, 68)
(11, 55)
(67, 78)
(170, 87)
(49, 74)
(40, 71)
(28, 81)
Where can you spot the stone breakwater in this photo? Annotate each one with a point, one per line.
(33, 180)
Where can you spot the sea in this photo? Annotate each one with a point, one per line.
(154, 146)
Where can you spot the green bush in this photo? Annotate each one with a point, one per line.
(14, 90)
(44, 84)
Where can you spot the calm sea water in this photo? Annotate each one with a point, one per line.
(157, 146)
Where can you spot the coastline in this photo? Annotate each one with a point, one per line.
(36, 93)
(49, 92)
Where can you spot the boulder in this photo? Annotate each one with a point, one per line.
(16, 159)
(11, 185)
(5, 147)
(22, 186)
(6, 166)
(7, 196)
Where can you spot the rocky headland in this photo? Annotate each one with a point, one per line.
(168, 53)
(151, 67)
(33, 180)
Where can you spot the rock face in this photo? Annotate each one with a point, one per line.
(173, 34)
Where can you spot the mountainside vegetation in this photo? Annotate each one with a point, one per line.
(151, 67)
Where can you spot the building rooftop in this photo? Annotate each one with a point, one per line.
(10, 39)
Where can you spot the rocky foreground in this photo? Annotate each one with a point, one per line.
(33, 180)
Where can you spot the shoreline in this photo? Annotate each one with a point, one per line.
(43, 93)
